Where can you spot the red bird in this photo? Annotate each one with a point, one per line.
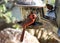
(30, 20)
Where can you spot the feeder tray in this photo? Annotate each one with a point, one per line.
(30, 3)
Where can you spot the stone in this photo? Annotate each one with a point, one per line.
(10, 35)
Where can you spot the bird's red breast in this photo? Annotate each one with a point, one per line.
(32, 16)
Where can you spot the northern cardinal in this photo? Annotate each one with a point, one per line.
(30, 20)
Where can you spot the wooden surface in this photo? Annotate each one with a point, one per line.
(44, 30)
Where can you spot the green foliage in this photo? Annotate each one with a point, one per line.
(7, 16)
(16, 26)
(52, 2)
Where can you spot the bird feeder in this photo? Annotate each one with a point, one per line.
(24, 4)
